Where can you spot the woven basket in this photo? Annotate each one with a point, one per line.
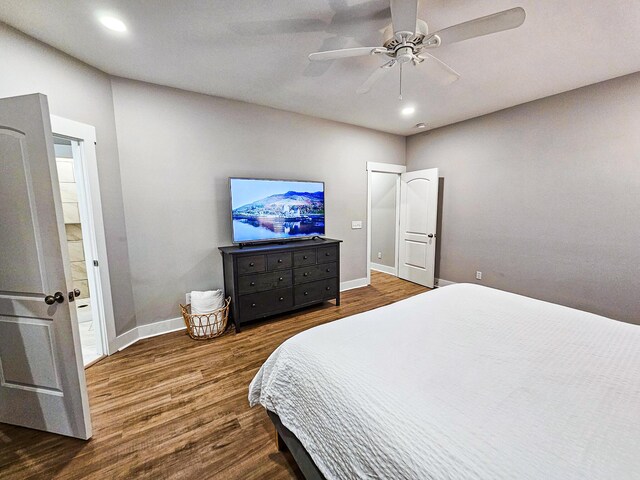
(208, 325)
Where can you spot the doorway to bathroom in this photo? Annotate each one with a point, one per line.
(74, 147)
(68, 179)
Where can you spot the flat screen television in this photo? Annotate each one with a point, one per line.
(265, 210)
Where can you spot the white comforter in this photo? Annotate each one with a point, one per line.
(463, 382)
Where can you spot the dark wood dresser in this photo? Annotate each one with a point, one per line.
(263, 280)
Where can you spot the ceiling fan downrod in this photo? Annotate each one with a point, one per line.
(400, 96)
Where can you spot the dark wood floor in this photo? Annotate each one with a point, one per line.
(172, 407)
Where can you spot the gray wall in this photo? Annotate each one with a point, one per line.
(383, 218)
(177, 150)
(77, 92)
(544, 198)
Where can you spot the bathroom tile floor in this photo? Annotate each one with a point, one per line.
(87, 331)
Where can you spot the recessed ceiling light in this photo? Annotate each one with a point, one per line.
(113, 23)
(408, 110)
(420, 125)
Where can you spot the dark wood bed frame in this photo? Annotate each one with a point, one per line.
(286, 439)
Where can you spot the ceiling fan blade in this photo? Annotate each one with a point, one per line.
(441, 72)
(375, 76)
(497, 22)
(404, 15)
(345, 53)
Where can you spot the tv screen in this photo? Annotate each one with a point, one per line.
(264, 210)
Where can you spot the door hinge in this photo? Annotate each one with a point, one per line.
(95, 263)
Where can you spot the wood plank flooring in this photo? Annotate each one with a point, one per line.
(172, 407)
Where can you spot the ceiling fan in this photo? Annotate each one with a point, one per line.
(407, 40)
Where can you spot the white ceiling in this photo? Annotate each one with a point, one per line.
(256, 51)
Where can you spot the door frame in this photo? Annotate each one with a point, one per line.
(89, 188)
(383, 168)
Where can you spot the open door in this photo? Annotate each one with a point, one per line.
(42, 383)
(418, 215)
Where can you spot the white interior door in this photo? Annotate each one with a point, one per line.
(418, 218)
(42, 383)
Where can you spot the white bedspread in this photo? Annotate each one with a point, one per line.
(464, 382)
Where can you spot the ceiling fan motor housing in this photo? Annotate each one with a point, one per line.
(392, 43)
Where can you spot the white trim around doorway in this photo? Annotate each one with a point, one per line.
(383, 168)
(102, 303)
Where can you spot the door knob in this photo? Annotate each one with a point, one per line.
(431, 235)
(76, 292)
(56, 297)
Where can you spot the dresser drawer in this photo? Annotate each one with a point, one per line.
(261, 304)
(264, 281)
(327, 270)
(251, 264)
(315, 291)
(327, 254)
(304, 257)
(331, 288)
(314, 272)
(278, 261)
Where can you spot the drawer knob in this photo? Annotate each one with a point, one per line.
(280, 279)
(328, 270)
(327, 254)
(304, 257)
(306, 293)
(279, 260)
(251, 264)
(328, 288)
(281, 298)
(305, 274)
(252, 284)
(253, 305)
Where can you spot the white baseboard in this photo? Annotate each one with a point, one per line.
(441, 282)
(160, 328)
(149, 330)
(174, 324)
(383, 268)
(351, 284)
(123, 341)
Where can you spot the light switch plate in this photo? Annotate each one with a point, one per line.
(356, 224)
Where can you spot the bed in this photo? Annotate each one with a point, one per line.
(463, 382)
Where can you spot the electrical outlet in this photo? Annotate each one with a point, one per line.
(379, 254)
(478, 275)
(356, 224)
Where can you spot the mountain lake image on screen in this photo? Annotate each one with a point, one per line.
(265, 210)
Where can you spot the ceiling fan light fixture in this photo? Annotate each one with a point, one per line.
(406, 111)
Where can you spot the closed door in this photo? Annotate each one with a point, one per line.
(418, 218)
(42, 383)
